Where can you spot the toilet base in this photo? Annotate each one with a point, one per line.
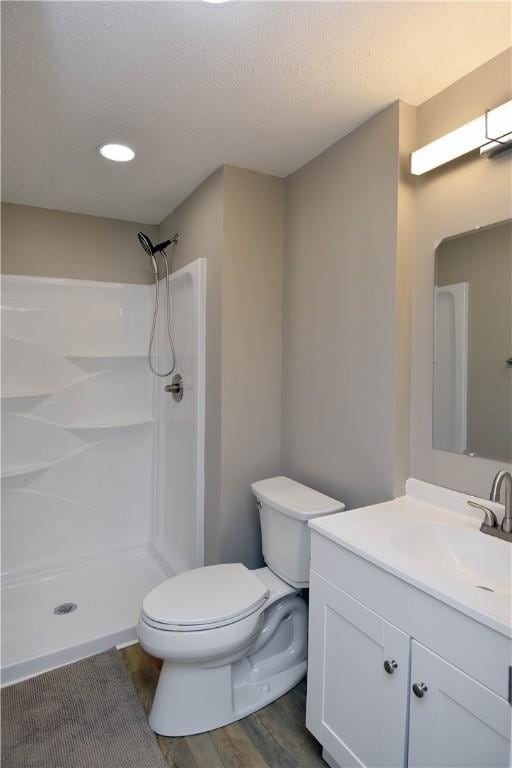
(193, 697)
(190, 701)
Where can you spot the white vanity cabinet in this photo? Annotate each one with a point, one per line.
(350, 694)
(375, 639)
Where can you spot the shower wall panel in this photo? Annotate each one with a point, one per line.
(77, 408)
(178, 534)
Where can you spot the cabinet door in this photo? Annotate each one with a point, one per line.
(356, 709)
(457, 721)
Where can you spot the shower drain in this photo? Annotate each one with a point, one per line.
(64, 608)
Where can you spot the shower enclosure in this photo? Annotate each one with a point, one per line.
(102, 470)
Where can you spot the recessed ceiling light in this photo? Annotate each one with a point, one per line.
(219, 2)
(120, 153)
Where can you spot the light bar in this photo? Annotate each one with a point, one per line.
(499, 123)
(494, 147)
(482, 131)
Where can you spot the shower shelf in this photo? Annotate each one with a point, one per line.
(34, 393)
(98, 363)
(26, 469)
(108, 425)
(18, 470)
(83, 426)
(114, 358)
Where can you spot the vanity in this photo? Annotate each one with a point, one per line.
(410, 638)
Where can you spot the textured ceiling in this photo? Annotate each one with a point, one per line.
(262, 85)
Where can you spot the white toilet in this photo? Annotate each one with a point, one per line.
(233, 640)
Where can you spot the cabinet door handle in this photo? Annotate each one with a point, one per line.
(390, 666)
(419, 690)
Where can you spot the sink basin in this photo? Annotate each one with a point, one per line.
(465, 554)
(432, 539)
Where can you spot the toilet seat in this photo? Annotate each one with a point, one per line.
(205, 598)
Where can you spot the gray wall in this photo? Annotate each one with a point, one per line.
(235, 220)
(405, 236)
(39, 241)
(346, 296)
(483, 259)
(453, 199)
(251, 353)
(200, 223)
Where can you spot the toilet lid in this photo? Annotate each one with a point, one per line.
(209, 595)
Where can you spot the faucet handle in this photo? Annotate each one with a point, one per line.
(490, 519)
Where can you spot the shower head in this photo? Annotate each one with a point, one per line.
(146, 243)
(152, 249)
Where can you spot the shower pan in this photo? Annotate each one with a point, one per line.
(103, 471)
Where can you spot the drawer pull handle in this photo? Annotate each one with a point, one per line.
(390, 666)
(419, 690)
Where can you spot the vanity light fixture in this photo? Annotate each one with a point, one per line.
(499, 123)
(120, 153)
(491, 133)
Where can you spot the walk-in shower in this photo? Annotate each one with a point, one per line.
(102, 471)
(151, 250)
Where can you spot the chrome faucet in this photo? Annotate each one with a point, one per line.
(505, 478)
(490, 523)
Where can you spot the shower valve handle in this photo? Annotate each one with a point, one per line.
(176, 388)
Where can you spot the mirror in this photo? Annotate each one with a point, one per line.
(472, 377)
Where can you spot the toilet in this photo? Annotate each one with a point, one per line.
(232, 640)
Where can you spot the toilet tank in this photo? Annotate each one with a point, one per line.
(285, 509)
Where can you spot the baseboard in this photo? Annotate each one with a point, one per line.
(331, 762)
